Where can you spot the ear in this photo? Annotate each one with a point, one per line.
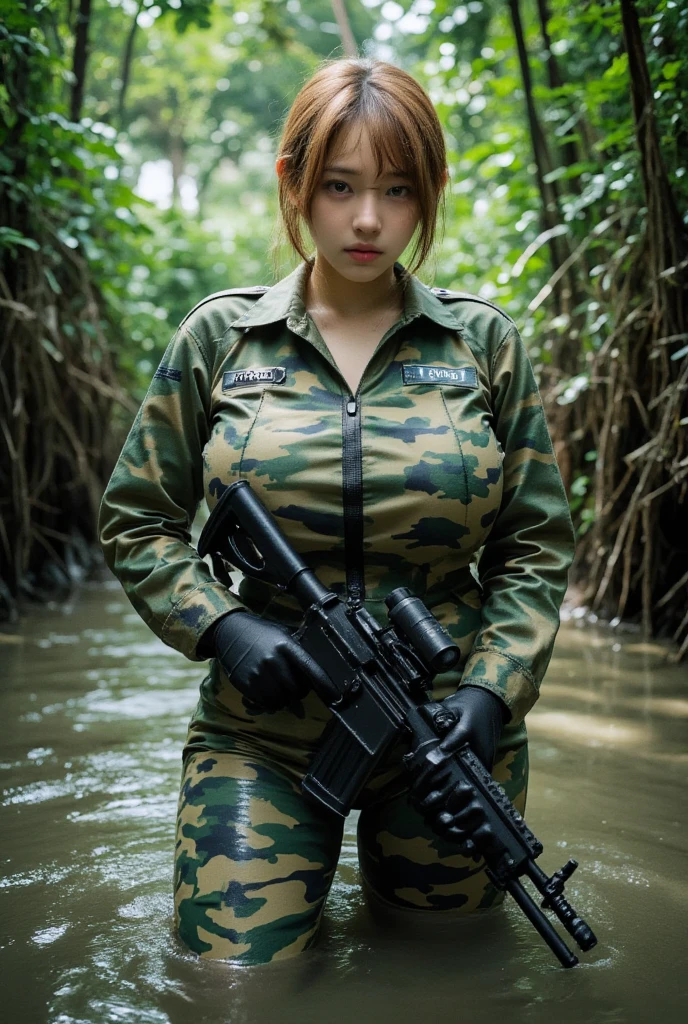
(280, 167)
(445, 178)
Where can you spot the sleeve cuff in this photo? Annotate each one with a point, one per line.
(191, 617)
(505, 677)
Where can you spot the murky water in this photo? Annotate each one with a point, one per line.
(94, 711)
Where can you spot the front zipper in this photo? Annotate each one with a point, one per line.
(352, 483)
(352, 490)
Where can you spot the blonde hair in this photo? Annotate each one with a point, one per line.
(403, 127)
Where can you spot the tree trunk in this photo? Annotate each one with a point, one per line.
(348, 41)
(569, 149)
(564, 351)
(636, 554)
(81, 52)
(666, 240)
(176, 151)
(126, 65)
(57, 381)
(543, 164)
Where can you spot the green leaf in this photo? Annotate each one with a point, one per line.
(622, 134)
(72, 185)
(618, 67)
(52, 280)
(580, 486)
(52, 350)
(672, 69)
(9, 238)
(573, 171)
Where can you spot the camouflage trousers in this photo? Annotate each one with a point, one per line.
(255, 859)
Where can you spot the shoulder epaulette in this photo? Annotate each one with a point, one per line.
(250, 290)
(447, 295)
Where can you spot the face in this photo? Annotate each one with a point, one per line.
(353, 207)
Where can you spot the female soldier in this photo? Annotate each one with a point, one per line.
(393, 430)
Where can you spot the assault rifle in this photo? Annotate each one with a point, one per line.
(380, 679)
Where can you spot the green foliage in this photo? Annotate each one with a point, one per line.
(165, 189)
(210, 84)
(495, 208)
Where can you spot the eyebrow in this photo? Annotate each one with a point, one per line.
(349, 170)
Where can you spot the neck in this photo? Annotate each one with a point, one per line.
(327, 292)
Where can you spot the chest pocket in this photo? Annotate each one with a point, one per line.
(481, 456)
(280, 428)
(436, 484)
(237, 406)
(469, 415)
(246, 398)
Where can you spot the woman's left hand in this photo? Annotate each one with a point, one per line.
(454, 812)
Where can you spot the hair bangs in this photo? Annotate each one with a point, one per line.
(402, 125)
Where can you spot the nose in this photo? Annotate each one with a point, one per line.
(366, 214)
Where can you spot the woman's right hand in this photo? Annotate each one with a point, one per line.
(264, 662)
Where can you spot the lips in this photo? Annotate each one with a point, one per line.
(364, 248)
(362, 255)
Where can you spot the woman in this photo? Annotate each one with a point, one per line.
(393, 430)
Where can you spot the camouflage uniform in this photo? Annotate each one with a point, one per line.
(443, 451)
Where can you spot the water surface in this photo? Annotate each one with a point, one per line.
(94, 711)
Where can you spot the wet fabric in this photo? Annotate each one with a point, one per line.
(255, 861)
(454, 455)
(443, 460)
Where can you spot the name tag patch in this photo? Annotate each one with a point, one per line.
(168, 373)
(458, 376)
(254, 375)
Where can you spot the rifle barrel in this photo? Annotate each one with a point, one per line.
(538, 920)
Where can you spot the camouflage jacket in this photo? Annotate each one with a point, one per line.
(438, 474)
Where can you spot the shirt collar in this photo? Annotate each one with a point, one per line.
(284, 301)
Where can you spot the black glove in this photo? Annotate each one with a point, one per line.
(454, 812)
(263, 661)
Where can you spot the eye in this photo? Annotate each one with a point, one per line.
(332, 187)
(336, 193)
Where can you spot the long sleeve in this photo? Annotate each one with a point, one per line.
(524, 564)
(152, 497)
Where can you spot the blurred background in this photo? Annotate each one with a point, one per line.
(137, 176)
(138, 141)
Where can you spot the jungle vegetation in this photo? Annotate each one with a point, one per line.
(137, 176)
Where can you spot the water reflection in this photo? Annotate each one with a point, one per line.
(95, 713)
